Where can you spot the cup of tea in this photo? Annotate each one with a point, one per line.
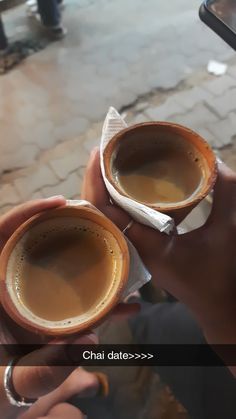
(63, 271)
(162, 165)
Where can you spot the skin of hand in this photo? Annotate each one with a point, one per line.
(34, 382)
(61, 411)
(80, 382)
(199, 267)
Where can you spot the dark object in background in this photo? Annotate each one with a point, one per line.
(220, 16)
(49, 12)
(3, 38)
(18, 51)
(13, 53)
(206, 392)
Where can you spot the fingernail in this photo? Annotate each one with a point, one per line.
(104, 383)
(53, 198)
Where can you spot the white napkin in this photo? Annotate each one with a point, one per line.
(139, 212)
(138, 274)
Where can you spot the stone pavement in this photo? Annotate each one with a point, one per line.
(116, 53)
(209, 108)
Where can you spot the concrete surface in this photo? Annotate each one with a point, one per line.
(115, 53)
(149, 60)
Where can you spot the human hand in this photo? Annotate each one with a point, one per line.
(199, 267)
(10, 332)
(32, 382)
(60, 411)
(80, 383)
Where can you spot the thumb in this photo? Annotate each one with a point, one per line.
(43, 370)
(10, 221)
(224, 198)
(63, 411)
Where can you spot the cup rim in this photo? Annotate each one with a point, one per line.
(82, 212)
(195, 138)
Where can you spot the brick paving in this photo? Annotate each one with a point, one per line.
(60, 169)
(115, 54)
(52, 105)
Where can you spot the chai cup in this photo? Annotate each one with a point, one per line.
(44, 263)
(136, 154)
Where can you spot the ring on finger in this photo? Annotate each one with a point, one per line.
(129, 225)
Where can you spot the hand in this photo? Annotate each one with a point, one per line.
(59, 411)
(81, 383)
(199, 267)
(31, 382)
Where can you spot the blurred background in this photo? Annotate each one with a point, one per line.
(149, 59)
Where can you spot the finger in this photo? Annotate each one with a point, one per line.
(117, 216)
(94, 191)
(81, 383)
(60, 411)
(43, 373)
(11, 333)
(64, 411)
(224, 198)
(144, 238)
(93, 188)
(10, 221)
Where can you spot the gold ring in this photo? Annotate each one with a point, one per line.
(128, 226)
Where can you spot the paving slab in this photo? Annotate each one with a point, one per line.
(114, 52)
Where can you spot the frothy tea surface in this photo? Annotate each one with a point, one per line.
(65, 270)
(160, 172)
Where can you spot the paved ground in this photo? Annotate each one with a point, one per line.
(149, 60)
(116, 53)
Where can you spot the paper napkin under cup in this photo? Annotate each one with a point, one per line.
(139, 212)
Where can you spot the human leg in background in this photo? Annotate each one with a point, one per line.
(51, 17)
(3, 38)
(206, 392)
